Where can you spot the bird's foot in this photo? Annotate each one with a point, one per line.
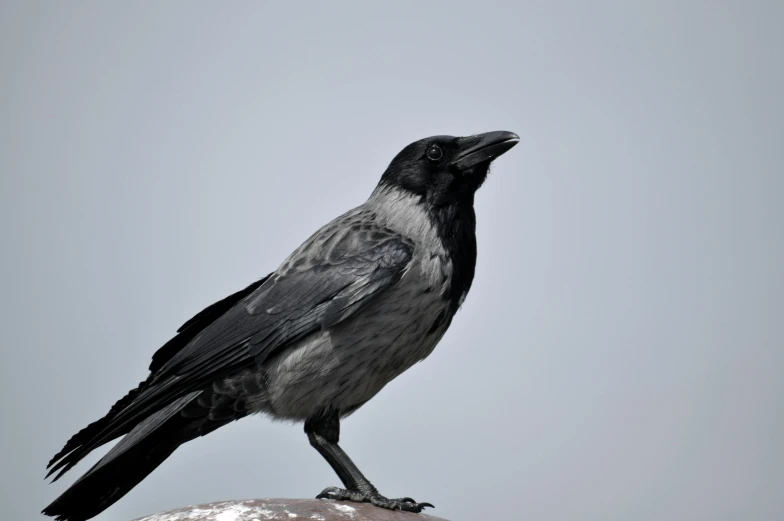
(403, 503)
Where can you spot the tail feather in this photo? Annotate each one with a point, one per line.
(104, 484)
(152, 430)
(106, 429)
(130, 461)
(69, 455)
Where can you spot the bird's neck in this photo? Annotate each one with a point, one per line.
(456, 228)
(449, 229)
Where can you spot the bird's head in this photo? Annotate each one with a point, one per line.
(444, 170)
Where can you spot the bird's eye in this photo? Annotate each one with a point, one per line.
(434, 153)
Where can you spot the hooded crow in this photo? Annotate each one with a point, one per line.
(359, 302)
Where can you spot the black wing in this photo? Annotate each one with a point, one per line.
(196, 325)
(283, 309)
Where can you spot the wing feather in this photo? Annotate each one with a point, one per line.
(248, 326)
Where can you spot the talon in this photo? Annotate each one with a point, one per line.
(405, 504)
(332, 493)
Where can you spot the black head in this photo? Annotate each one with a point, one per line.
(446, 170)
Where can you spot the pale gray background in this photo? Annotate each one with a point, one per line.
(620, 355)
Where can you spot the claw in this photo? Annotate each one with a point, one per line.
(406, 504)
(332, 493)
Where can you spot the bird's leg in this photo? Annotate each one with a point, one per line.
(324, 432)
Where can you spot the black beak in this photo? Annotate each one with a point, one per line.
(484, 148)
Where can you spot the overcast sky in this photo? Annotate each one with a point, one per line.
(620, 355)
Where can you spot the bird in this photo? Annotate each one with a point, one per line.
(362, 300)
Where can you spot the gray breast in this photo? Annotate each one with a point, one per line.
(345, 366)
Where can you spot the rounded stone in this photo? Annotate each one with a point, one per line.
(288, 510)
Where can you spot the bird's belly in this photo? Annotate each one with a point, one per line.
(345, 366)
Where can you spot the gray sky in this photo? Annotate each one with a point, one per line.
(620, 355)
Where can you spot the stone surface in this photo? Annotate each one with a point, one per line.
(286, 509)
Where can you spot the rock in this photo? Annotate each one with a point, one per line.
(288, 510)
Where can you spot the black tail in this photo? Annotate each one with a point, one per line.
(105, 429)
(150, 441)
(107, 482)
(134, 457)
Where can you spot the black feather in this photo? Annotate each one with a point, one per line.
(84, 441)
(195, 325)
(138, 454)
(456, 227)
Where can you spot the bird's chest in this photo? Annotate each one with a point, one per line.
(349, 363)
(403, 326)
